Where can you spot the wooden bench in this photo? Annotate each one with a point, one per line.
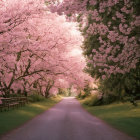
(13, 102)
(4, 104)
(9, 103)
(1, 107)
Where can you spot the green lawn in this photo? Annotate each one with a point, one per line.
(122, 116)
(14, 118)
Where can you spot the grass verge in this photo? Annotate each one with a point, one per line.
(122, 116)
(14, 118)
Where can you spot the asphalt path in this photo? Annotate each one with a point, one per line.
(66, 121)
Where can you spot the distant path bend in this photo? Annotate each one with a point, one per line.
(66, 121)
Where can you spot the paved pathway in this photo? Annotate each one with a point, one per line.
(66, 121)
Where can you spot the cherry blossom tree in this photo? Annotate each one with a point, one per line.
(34, 48)
(111, 39)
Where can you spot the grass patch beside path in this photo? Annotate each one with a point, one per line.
(122, 116)
(14, 118)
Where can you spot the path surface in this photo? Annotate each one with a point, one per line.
(66, 121)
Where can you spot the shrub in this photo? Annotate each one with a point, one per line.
(79, 95)
(36, 98)
(109, 98)
(92, 100)
(82, 94)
